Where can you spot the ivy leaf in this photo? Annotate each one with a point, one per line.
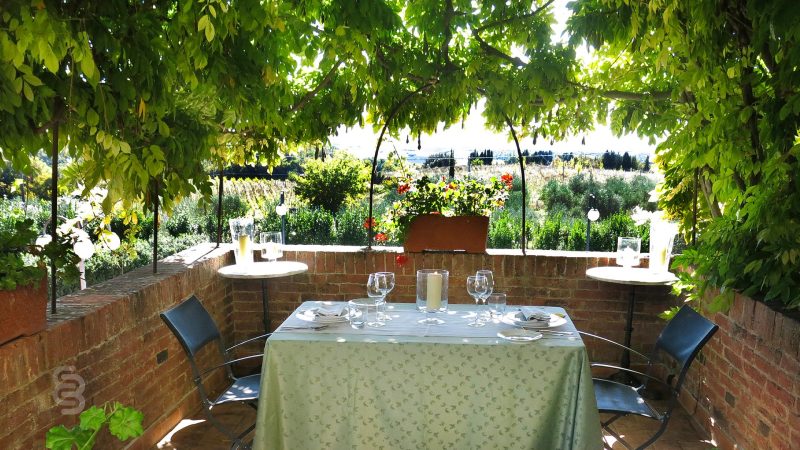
(93, 418)
(125, 422)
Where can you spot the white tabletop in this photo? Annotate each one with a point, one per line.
(404, 323)
(631, 275)
(261, 270)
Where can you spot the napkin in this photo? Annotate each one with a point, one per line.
(534, 314)
(329, 310)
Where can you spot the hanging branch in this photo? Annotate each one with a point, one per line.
(389, 118)
(322, 84)
(523, 239)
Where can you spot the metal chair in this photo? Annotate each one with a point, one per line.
(680, 341)
(195, 329)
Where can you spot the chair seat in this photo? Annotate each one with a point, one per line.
(614, 397)
(242, 390)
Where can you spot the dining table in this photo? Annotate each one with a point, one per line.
(411, 385)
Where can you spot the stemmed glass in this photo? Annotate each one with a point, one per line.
(489, 286)
(376, 288)
(386, 287)
(477, 285)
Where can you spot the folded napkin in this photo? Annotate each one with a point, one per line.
(534, 314)
(329, 310)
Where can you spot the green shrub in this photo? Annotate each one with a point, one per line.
(350, 228)
(550, 234)
(232, 206)
(332, 183)
(606, 231)
(310, 226)
(505, 229)
(576, 236)
(573, 198)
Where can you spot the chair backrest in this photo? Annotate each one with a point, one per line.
(192, 325)
(683, 337)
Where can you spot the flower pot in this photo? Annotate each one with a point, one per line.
(436, 232)
(23, 311)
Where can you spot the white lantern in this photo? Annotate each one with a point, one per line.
(281, 210)
(83, 248)
(593, 215)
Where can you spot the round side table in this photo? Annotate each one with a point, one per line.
(263, 271)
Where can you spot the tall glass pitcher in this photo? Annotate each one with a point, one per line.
(242, 230)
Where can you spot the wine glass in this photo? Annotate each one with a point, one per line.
(271, 245)
(376, 286)
(477, 286)
(386, 288)
(489, 283)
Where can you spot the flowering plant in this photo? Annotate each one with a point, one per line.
(426, 195)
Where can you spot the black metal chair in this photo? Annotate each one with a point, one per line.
(680, 341)
(195, 329)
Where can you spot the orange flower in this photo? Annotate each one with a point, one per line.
(451, 186)
(370, 223)
(380, 237)
(401, 260)
(403, 188)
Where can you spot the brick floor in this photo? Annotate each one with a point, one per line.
(197, 434)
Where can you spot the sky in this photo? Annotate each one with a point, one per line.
(361, 141)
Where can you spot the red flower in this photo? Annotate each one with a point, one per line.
(403, 188)
(380, 237)
(508, 179)
(401, 260)
(451, 186)
(370, 223)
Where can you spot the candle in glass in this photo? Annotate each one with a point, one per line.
(434, 291)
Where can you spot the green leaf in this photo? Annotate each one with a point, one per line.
(93, 418)
(92, 118)
(210, 32)
(26, 90)
(202, 23)
(60, 438)
(32, 79)
(125, 422)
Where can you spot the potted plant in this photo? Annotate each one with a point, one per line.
(23, 276)
(443, 215)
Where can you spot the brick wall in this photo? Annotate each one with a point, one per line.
(111, 334)
(745, 390)
(539, 278)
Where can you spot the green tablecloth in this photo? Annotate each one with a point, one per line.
(437, 387)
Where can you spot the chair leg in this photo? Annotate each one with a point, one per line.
(658, 434)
